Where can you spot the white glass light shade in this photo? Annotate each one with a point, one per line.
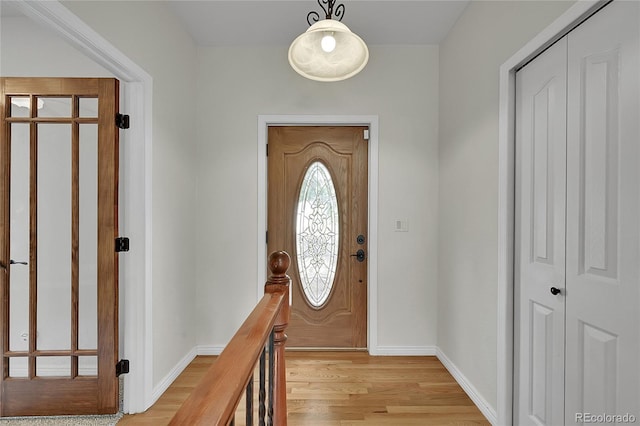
(308, 59)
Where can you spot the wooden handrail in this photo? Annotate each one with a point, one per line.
(215, 399)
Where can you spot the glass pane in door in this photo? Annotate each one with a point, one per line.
(88, 107)
(54, 237)
(20, 106)
(54, 107)
(18, 367)
(87, 366)
(19, 241)
(52, 366)
(317, 234)
(88, 234)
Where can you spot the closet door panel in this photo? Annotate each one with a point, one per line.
(603, 215)
(540, 243)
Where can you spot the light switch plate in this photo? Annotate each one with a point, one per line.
(401, 225)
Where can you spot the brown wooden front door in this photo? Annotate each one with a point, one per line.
(317, 212)
(58, 266)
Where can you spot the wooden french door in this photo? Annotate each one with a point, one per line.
(317, 212)
(58, 265)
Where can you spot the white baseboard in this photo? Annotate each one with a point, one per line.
(482, 404)
(378, 351)
(209, 349)
(403, 351)
(164, 384)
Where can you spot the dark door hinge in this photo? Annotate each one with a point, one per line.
(266, 237)
(122, 121)
(267, 150)
(122, 244)
(122, 367)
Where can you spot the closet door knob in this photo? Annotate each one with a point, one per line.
(555, 291)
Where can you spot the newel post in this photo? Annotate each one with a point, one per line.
(277, 282)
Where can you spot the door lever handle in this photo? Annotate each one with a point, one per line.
(359, 255)
(11, 262)
(555, 291)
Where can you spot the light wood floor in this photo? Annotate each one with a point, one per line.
(346, 389)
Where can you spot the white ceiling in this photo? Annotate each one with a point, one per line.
(278, 22)
(266, 22)
(7, 9)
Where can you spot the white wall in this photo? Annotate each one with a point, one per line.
(27, 49)
(149, 34)
(235, 85)
(485, 36)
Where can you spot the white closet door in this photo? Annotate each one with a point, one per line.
(603, 215)
(540, 238)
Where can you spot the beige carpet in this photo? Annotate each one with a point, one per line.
(109, 420)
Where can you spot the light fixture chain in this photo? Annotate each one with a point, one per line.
(328, 8)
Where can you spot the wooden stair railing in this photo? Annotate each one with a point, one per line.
(214, 401)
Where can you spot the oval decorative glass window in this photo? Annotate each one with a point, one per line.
(317, 234)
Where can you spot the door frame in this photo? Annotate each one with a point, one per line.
(135, 198)
(570, 19)
(264, 122)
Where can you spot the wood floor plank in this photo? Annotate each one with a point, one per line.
(345, 389)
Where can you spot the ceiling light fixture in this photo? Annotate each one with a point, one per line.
(328, 50)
